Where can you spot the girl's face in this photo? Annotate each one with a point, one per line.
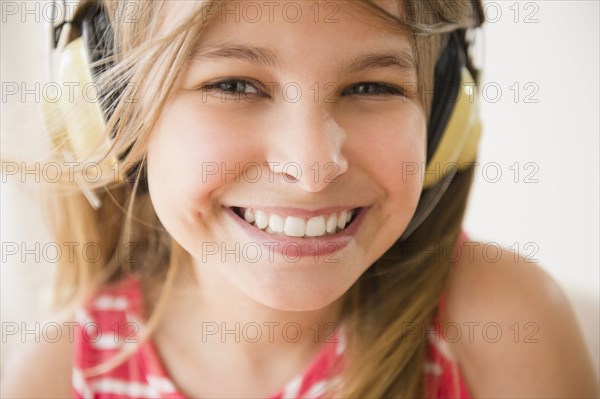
(297, 112)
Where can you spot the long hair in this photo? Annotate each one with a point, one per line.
(401, 287)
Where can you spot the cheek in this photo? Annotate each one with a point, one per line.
(190, 152)
(393, 153)
(393, 148)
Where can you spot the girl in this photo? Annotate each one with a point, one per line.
(267, 220)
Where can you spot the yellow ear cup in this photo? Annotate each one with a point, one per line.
(84, 121)
(76, 122)
(458, 145)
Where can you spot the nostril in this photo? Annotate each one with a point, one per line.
(290, 178)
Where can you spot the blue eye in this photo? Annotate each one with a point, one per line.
(374, 89)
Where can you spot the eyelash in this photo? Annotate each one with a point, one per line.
(385, 90)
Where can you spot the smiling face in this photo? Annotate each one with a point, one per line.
(294, 120)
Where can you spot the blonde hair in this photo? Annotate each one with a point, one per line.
(383, 360)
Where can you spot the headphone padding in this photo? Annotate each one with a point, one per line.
(461, 137)
(83, 118)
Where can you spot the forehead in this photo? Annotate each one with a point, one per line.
(297, 34)
(393, 7)
(285, 16)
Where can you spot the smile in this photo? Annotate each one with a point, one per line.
(292, 226)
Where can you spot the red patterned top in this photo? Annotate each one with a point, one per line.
(112, 320)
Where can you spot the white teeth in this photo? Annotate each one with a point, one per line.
(297, 227)
(248, 216)
(262, 219)
(341, 222)
(331, 223)
(294, 227)
(315, 226)
(276, 223)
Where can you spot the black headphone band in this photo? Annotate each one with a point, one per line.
(447, 78)
(98, 37)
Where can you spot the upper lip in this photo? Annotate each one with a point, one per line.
(300, 212)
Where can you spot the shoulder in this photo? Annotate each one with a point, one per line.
(518, 333)
(41, 367)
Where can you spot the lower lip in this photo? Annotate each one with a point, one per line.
(295, 247)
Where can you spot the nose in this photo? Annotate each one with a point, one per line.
(306, 147)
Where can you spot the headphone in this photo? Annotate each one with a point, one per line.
(453, 131)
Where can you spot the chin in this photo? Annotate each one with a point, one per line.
(296, 297)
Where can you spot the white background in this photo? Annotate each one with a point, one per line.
(551, 45)
(560, 134)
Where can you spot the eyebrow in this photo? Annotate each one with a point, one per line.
(399, 59)
(253, 55)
